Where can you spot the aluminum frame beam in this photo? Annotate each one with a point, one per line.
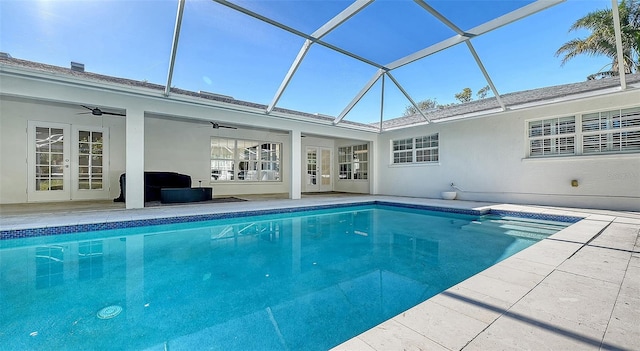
(319, 33)
(510, 17)
(174, 46)
(296, 32)
(461, 36)
(456, 29)
(381, 104)
(408, 97)
(439, 16)
(292, 70)
(340, 18)
(486, 75)
(357, 98)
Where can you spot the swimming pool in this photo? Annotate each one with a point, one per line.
(303, 280)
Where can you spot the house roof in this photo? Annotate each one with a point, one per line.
(36, 66)
(533, 96)
(462, 110)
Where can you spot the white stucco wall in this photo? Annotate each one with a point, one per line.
(15, 113)
(185, 147)
(170, 144)
(486, 157)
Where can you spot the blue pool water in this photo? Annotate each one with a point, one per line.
(297, 281)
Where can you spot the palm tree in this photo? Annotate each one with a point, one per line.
(602, 40)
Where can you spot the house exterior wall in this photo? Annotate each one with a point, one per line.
(15, 113)
(483, 156)
(170, 144)
(185, 147)
(486, 158)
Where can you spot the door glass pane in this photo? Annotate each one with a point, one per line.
(83, 160)
(57, 171)
(42, 184)
(48, 159)
(57, 184)
(311, 167)
(83, 136)
(83, 148)
(42, 171)
(96, 182)
(89, 160)
(326, 167)
(96, 137)
(42, 158)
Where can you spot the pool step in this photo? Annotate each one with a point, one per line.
(518, 227)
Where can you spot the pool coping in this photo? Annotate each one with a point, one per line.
(22, 233)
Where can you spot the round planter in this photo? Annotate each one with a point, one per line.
(448, 195)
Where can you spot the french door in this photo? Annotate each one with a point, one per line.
(318, 166)
(67, 162)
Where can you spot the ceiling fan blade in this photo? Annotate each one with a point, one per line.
(87, 107)
(113, 113)
(227, 127)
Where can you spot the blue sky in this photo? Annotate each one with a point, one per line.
(229, 53)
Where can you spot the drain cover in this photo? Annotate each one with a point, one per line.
(109, 312)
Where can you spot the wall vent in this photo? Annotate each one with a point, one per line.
(78, 67)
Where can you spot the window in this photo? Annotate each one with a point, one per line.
(424, 149)
(615, 131)
(353, 162)
(554, 136)
(427, 148)
(244, 160)
(611, 131)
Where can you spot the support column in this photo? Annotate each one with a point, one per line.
(373, 167)
(134, 166)
(295, 186)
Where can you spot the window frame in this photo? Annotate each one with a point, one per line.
(353, 168)
(246, 162)
(557, 131)
(408, 151)
(611, 126)
(606, 132)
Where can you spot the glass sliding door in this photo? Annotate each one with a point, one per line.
(67, 162)
(318, 170)
(48, 162)
(90, 157)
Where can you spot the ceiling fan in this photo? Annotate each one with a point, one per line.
(217, 125)
(98, 112)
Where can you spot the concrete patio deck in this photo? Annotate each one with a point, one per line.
(579, 289)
